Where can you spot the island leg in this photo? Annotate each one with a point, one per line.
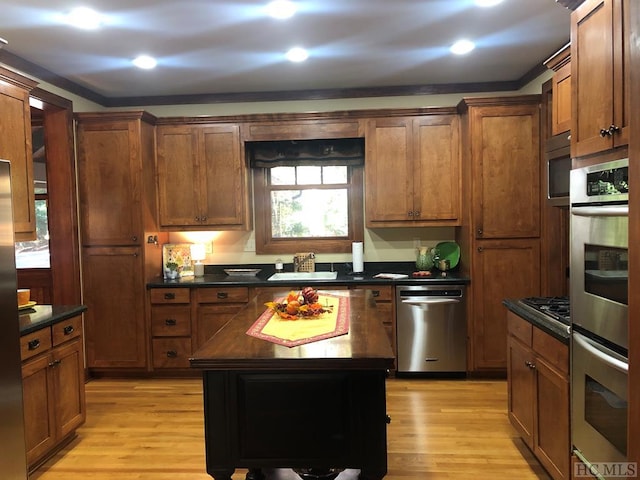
(255, 474)
(221, 473)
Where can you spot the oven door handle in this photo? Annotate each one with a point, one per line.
(435, 301)
(595, 351)
(602, 211)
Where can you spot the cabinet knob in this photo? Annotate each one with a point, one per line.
(170, 322)
(204, 218)
(55, 363)
(604, 132)
(531, 365)
(172, 354)
(197, 219)
(134, 238)
(613, 129)
(222, 295)
(416, 214)
(410, 214)
(479, 232)
(33, 344)
(480, 249)
(68, 330)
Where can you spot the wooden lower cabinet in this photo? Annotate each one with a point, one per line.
(53, 387)
(385, 304)
(215, 307)
(538, 385)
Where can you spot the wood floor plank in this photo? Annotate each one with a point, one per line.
(152, 429)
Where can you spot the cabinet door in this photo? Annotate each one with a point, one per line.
(69, 392)
(222, 175)
(505, 143)
(599, 54)
(39, 408)
(521, 389)
(552, 443)
(389, 171)
(178, 176)
(109, 173)
(114, 321)
(436, 168)
(15, 125)
(501, 269)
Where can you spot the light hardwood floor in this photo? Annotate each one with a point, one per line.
(153, 430)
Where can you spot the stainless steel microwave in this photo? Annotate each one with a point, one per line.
(558, 156)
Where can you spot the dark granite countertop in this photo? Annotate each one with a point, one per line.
(557, 329)
(215, 276)
(41, 316)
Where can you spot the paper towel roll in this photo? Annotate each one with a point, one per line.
(357, 250)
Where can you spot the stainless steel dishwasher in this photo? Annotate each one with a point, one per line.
(431, 328)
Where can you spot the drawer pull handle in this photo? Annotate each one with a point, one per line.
(170, 322)
(55, 363)
(375, 293)
(34, 344)
(223, 295)
(169, 296)
(172, 354)
(68, 330)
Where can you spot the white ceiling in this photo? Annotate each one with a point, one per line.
(210, 47)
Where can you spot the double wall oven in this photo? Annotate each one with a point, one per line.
(599, 291)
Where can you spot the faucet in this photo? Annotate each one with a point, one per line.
(297, 260)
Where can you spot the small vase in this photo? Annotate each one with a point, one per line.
(424, 259)
(172, 274)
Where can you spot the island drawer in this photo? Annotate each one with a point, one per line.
(170, 295)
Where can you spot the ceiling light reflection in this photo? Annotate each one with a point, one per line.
(488, 3)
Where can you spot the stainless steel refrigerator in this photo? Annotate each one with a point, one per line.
(13, 462)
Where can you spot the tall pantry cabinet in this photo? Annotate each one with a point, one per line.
(117, 215)
(500, 232)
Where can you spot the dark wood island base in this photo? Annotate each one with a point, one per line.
(321, 405)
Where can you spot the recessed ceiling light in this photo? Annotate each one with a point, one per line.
(462, 47)
(281, 9)
(145, 62)
(85, 18)
(297, 54)
(488, 3)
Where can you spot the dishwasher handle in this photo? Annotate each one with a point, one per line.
(431, 301)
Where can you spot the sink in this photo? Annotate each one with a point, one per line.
(304, 276)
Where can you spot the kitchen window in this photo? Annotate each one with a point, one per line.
(307, 203)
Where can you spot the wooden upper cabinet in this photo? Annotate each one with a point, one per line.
(202, 177)
(560, 63)
(288, 129)
(412, 171)
(115, 163)
(600, 76)
(15, 127)
(505, 157)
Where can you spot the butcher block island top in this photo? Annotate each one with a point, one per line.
(365, 346)
(317, 407)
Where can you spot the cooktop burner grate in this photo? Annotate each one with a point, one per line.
(555, 307)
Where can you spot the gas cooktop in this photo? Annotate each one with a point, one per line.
(554, 307)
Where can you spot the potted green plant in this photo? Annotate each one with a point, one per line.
(172, 270)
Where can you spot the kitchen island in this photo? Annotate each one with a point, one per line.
(319, 405)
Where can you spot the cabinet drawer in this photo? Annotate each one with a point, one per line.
(170, 295)
(223, 295)
(382, 293)
(171, 321)
(66, 330)
(519, 328)
(35, 343)
(551, 349)
(171, 352)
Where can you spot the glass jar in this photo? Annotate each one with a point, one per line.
(424, 258)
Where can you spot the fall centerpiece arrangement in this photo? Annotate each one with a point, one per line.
(302, 304)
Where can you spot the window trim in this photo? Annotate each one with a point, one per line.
(265, 244)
